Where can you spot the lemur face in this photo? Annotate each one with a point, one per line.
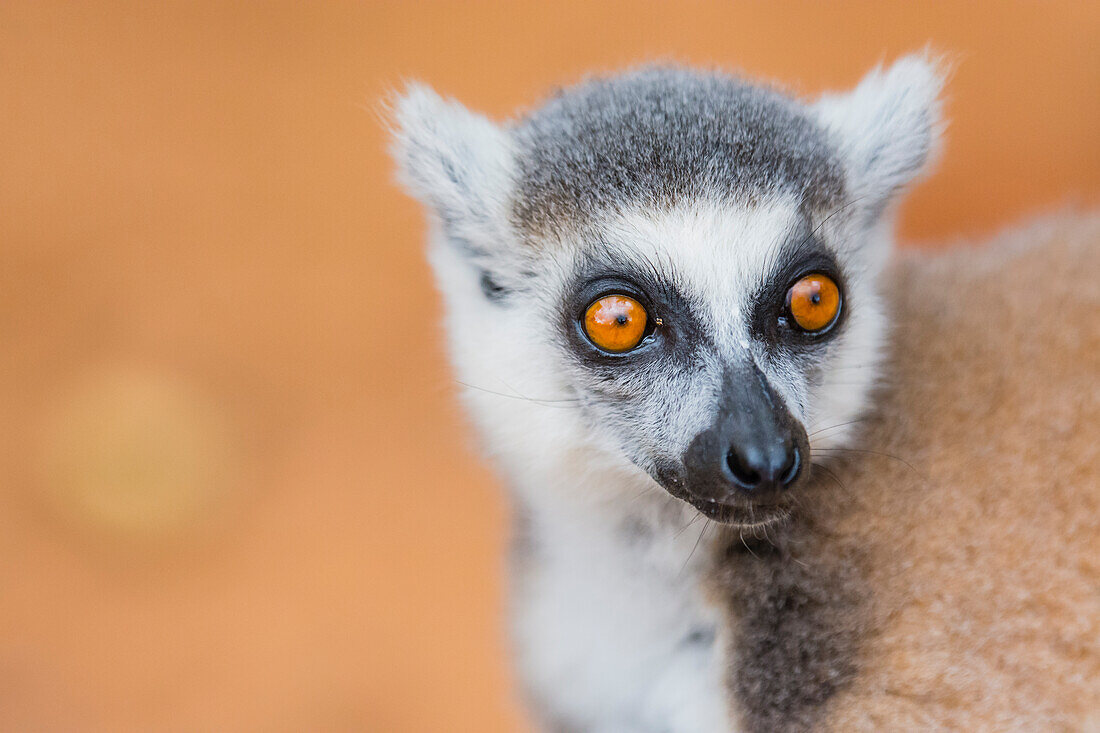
(686, 260)
(707, 341)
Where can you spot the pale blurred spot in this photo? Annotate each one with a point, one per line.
(136, 453)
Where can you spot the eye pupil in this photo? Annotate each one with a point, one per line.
(615, 323)
(815, 298)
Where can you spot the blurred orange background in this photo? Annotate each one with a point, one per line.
(236, 494)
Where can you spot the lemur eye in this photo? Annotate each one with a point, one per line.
(615, 323)
(814, 302)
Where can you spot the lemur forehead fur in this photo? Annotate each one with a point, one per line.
(659, 136)
(713, 219)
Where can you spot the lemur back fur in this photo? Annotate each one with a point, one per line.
(947, 575)
(631, 610)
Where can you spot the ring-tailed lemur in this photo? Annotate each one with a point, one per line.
(661, 296)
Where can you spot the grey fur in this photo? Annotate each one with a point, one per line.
(797, 615)
(659, 134)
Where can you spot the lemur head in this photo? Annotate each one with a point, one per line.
(687, 259)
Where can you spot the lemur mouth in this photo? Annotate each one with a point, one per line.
(737, 510)
(747, 515)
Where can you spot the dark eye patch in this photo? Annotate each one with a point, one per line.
(803, 254)
(676, 330)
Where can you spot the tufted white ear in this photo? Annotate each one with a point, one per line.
(887, 127)
(456, 162)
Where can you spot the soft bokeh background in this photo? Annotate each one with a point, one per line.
(235, 494)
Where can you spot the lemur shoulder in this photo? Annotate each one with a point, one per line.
(766, 475)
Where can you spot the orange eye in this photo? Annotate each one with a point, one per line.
(814, 302)
(615, 323)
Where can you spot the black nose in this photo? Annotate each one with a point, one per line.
(754, 467)
(753, 451)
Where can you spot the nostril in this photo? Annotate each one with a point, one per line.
(744, 474)
(793, 468)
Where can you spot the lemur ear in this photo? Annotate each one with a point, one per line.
(887, 127)
(457, 163)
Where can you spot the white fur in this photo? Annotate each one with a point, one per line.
(598, 622)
